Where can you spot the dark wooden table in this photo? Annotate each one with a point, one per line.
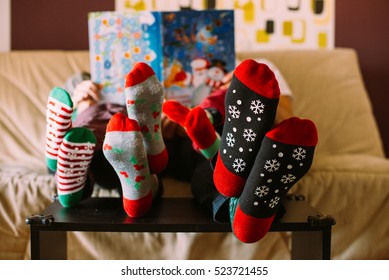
(311, 232)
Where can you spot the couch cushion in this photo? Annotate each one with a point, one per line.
(328, 88)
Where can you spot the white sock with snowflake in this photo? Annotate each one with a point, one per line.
(285, 157)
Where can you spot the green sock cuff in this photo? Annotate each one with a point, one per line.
(62, 96)
(209, 152)
(232, 207)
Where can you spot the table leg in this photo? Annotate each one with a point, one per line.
(311, 245)
(48, 245)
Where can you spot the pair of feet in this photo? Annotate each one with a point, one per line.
(133, 143)
(256, 163)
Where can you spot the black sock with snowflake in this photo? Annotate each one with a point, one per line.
(250, 108)
(285, 157)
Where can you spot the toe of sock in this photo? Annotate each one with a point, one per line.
(175, 111)
(61, 95)
(138, 74)
(295, 131)
(258, 77)
(120, 122)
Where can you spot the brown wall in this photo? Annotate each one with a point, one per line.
(360, 24)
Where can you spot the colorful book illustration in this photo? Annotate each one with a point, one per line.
(190, 51)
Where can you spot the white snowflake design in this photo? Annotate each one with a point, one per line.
(249, 134)
(257, 107)
(299, 153)
(272, 165)
(233, 111)
(288, 178)
(261, 191)
(239, 165)
(274, 201)
(230, 140)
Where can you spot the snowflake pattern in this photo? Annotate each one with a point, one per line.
(299, 153)
(230, 140)
(288, 178)
(239, 165)
(272, 165)
(257, 107)
(233, 111)
(249, 134)
(274, 201)
(261, 191)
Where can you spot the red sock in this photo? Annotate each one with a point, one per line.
(144, 95)
(250, 108)
(285, 157)
(197, 124)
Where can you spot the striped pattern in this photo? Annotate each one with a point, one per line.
(73, 162)
(58, 118)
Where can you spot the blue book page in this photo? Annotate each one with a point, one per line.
(117, 40)
(198, 51)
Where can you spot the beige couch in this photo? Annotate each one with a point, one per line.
(349, 178)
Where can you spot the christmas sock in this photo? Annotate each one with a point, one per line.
(144, 95)
(123, 147)
(197, 124)
(285, 157)
(58, 122)
(74, 157)
(250, 107)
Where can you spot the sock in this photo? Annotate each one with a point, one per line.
(197, 125)
(144, 95)
(250, 108)
(123, 147)
(285, 157)
(74, 157)
(58, 122)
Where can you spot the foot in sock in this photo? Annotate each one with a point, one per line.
(197, 125)
(250, 109)
(144, 96)
(124, 149)
(285, 157)
(74, 157)
(58, 122)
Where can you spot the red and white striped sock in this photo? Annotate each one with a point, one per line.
(144, 97)
(124, 149)
(58, 122)
(74, 157)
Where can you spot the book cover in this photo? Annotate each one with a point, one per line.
(190, 51)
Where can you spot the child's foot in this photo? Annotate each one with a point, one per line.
(197, 125)
(250, 106)
(58, 122)
(124, 149)
(285, 157)
(144, 95)
(74, 157)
